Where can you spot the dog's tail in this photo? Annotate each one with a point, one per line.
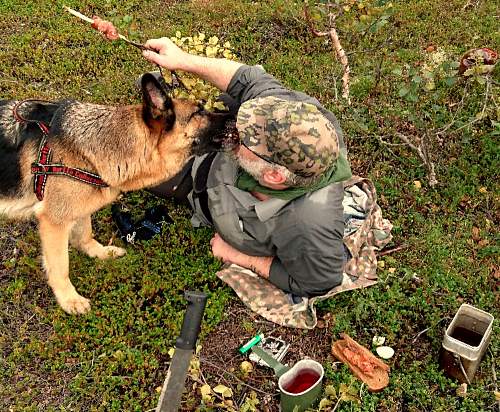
(14, 131)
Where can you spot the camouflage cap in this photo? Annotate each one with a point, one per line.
(292, 134)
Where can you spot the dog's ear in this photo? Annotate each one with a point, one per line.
(158, 105)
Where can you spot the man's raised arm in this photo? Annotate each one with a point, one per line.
(165, 53)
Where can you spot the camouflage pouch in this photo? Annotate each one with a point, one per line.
(371, 234)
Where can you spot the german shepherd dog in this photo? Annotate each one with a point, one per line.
(129, 147)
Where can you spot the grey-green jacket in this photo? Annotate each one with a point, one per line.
(304, 235)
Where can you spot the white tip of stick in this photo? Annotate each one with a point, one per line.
(77, 14)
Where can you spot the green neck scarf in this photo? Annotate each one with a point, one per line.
(339, 172)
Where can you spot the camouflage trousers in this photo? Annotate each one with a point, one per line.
(365, 233)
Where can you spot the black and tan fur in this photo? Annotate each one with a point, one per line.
(130, 147)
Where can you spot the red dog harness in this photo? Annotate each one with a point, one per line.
(43, 168)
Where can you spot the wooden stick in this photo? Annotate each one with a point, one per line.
(79, 15)
(125, 39)
(91, 21)
(389, 251)
(339, 50)
(337, 47)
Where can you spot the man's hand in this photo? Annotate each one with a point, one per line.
(165, 53)
(223, 250)
(258, 264)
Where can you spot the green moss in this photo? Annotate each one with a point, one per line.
(114, 358)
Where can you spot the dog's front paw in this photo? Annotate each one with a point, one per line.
(111, 252)
(74, 304)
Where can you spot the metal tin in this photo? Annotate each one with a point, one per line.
(465, 342)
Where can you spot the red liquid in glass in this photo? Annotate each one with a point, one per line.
(302, 381)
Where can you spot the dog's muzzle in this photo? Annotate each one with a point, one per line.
(221, 135)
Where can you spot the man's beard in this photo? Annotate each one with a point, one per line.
(254, 168)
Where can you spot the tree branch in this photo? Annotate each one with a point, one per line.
(339, 51)
(343, 60)
(423, 153)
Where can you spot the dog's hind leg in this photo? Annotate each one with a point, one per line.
(82, 239)
(56, 261)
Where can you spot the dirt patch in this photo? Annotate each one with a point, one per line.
(220, 360)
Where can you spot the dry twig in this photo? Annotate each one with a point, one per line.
(494, 375)
(213, 365)
(457, 110)
(337, 403)
(339, 50)
(426, 329)
(393, 250)
(471, 3)
(422, 150)
(489, 83)
(203, 381)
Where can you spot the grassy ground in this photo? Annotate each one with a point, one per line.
(115, 358)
